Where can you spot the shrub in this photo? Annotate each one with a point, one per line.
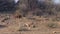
(52, 25)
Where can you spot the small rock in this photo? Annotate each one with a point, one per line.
(4, 19)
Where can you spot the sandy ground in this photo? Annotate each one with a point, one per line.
(28, 25)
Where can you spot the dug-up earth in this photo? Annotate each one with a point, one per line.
(29, 25)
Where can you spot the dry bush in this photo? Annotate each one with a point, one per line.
(22, 7)
(33, 6)
(38, 8)
(8, 6)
